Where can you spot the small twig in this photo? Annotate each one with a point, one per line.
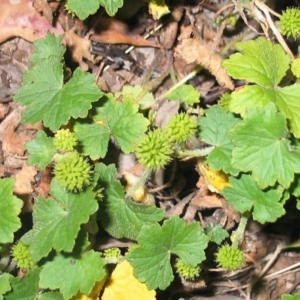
(265, 269)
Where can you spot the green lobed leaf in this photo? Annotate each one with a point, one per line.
(151, 259)
(47, 99)
(287, 101)
(186, 93)
(245, 195)
(216, 233)
(111, 7)
(82, 9)
(41, 150)
(51, 296)
(262, 147)
(26, 287)
(73, 272)
(214, 129)
(93, 138)
(4, 284)
(119, 216)
(250, 97)
(10, 208)
(134, 93)
(50, 46)
(265, 64)
(260, 61)
(290, 297)
(56, 221)
(119, 121)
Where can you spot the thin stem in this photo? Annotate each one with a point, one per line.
(141, 182)
(197, 152)
(182, 81)
(239, 233)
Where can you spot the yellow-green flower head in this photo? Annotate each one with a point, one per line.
(64, 140)
(181, 127)
(112, 252)
(225, 101)
(72, 171)
(290, 22)
(187, 271)
(296, 67)
(155, 149)
(230, 258)
(22, 257)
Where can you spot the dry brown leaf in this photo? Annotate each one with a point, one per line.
(19, 18)
(80, 47)
(43, 7)
(112, 31)
(193, 50)
(43, 188)
(24, 180)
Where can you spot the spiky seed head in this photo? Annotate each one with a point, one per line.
(65, 140)
(72, 171)
(181, 127)
(230, 258)
(22, 256)
(185, 271)
(154, 151)
(290, 22)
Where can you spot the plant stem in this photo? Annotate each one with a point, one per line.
(182, 81)
(239, 233)
(197, 152)
(142, 180)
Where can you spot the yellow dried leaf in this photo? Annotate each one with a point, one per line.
(141, 194)
(93, 295)
(216, 180)
(158, 8)
(122, 285)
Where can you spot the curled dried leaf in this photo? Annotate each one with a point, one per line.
(193, 50)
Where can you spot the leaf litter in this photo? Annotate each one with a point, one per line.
(190, 50)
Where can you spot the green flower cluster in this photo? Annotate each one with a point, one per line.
(72, 171)
(290, 22)
(230, 258)
(181, 127)
(64, 140)
(112, 252)
(155, 149)
(225, 101)
(22, 257)
(187, 271)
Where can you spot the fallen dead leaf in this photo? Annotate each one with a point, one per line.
(19, 18)
(122, 285)
(113, 31)
(193, 50)
(24, 180)
(80, 48)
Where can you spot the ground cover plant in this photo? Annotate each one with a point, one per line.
(151, 190)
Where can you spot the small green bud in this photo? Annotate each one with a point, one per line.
(181, 127)
(230, 258)
(296, 67)
(22, 257)
(72, 171)
(185, 271)
(64, 140)
(290, 22)
(154, 151)
(112, 252)
(225, 101)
